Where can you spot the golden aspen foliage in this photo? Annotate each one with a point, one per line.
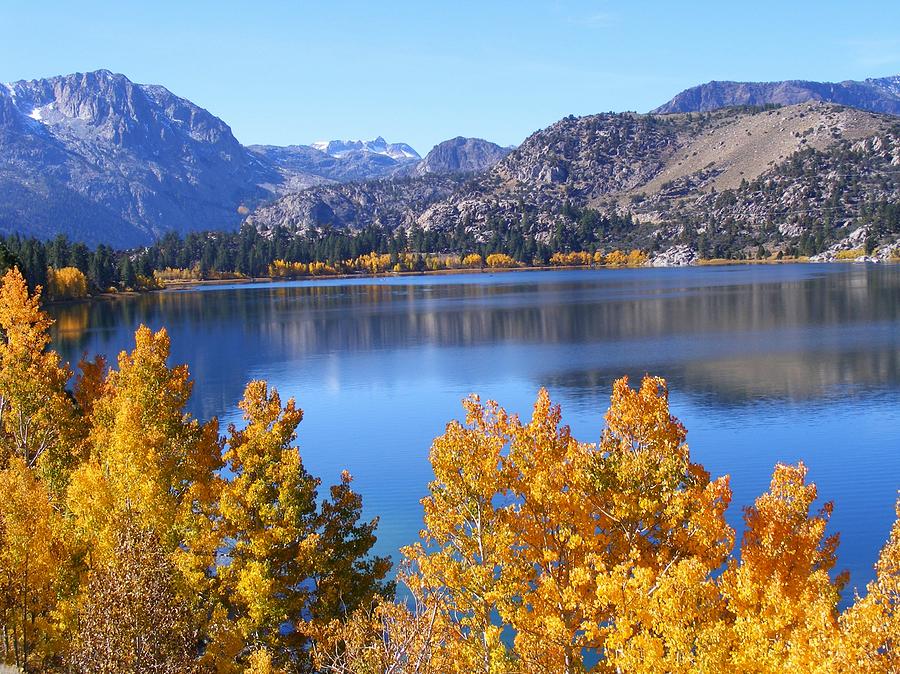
(372, 263)
(870, 628)
(615, 258)
(500, 260)
(636, 258)
(260, 662)
(467, 540)
(663, 530)
(472, 261)
(31, 555)
(579, 258)
(150, 459)
(559, 540)
(90, 381)
(282, 269)
(66, 283)
(781, 596)
(36, 412)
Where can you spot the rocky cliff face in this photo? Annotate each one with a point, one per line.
(461, 155)
(102, 159)
(389, 203)
(877, 95)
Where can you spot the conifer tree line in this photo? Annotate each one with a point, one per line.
(135, 538)
(249, 253)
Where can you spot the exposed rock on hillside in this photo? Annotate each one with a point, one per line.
(732, 181)
(390, 203)
(676, 256)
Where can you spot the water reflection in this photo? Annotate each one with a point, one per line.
(733, 334)
(765, 364)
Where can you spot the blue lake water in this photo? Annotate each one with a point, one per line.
(765, 364)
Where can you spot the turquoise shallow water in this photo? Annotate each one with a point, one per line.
(765, 364)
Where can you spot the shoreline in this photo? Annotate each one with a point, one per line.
(187, 284)
(192, 283)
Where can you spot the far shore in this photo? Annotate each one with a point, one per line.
(186, 284)
(183, 284)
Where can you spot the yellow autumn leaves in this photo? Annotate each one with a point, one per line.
(136, 538)
(545, 554)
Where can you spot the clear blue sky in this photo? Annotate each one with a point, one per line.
(423, 71)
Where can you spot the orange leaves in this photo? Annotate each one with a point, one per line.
(147, 456)
(781, 598)
(500, 261)
(782, 541)
(31, 552)
(618, 554)
(559, 539)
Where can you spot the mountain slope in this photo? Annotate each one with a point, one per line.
(729, 181)
(391, 203)
(102, 159)
(877, 95)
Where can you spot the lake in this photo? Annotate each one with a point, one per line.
(765, 364)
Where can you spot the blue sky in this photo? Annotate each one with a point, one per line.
(421, 72)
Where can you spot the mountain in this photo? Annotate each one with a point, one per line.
(302, 166)
(394, 201)
(341, 148)
(388, 202)
(726, 182)
(102, 159)
(461, 155)
(877, 95)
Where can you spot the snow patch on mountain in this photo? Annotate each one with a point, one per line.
(342, 148)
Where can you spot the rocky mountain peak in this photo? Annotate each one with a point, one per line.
(461, 155)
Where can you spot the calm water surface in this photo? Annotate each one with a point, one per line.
(765, 364)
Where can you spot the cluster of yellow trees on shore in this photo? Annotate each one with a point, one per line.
(584, 258)
(135, 538)
(381, 263)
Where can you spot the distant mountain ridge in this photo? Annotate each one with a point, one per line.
(342, 148)
(874, 94)
(102, 159)
(797, 178)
